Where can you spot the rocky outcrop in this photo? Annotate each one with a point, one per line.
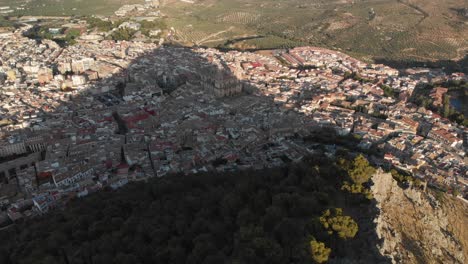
(414, 227)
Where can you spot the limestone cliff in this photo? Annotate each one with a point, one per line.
(414, 227)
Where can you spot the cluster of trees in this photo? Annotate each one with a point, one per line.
(39, 32)
(359, 172)
(71, 36)
(335, 222)
(269, 216)
(320, 252)
(99, 24)
(147, 26)
(63, 38)
(420, 97)
(389, 91)
(405, 180)
(448, 111)
(454, 85)
(356, 76)
(123, 33)
(5, 22)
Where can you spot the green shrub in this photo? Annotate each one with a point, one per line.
(320, 252)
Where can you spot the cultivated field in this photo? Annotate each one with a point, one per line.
(388, 30)
(410, 30)
(66, 7)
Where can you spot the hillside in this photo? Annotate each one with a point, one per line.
(417, 227)
(294, 214)
(269, 216)
(65, 7)
(397, 30)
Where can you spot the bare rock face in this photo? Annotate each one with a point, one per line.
(414, 227)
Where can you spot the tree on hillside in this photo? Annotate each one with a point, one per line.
(99, 24)
(335, 222)
(319, 251)
(360, 170)
(446, 111)
(241, 217)
(123, 34)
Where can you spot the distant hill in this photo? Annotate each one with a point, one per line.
(65, 7)
(409, 30)
(388, 30)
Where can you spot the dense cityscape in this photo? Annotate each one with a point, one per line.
(233, 131)
(102, 113)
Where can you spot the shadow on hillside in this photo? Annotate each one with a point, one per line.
(449, 66)
(171, 110)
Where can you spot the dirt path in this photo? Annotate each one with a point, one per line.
(213, 35)
(418, 10)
